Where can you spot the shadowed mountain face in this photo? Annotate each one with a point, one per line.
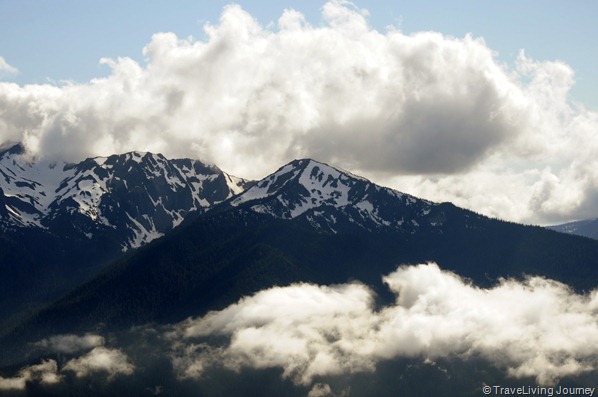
(60, 223)
(586, 228)
(309, 222)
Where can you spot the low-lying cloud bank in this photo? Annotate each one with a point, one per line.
(322, 340)
(535, 328)
(100, 359)
(46, 373)
(435, 115)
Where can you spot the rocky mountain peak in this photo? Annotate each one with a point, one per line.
(326, 196)
(137, 195)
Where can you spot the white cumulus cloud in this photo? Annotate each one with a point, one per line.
(101, 359)
(533, 328)
(426, 112)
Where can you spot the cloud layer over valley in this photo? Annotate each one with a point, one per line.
(533, 330)
(432, 115)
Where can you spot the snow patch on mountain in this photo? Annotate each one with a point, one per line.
(139, 195)
(141, 234)
(269, 186)
(28, 186)
(321, 193)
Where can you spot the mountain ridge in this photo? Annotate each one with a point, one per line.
(323, 195)
(585, 227)
(60, 223)
(252, 241)
(35, 194)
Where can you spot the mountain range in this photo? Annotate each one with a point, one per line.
(136, 239)
(139, 196)
(61, 222)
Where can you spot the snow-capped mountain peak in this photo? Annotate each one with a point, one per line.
(137, 195)
(302, 185)
(323, 194)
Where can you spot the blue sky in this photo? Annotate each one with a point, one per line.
(64, 39)
(421, 106)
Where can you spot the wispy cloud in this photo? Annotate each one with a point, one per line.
(71, 343)
(98, 359)
(5, 68)
(46, 373)
(435, 115)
